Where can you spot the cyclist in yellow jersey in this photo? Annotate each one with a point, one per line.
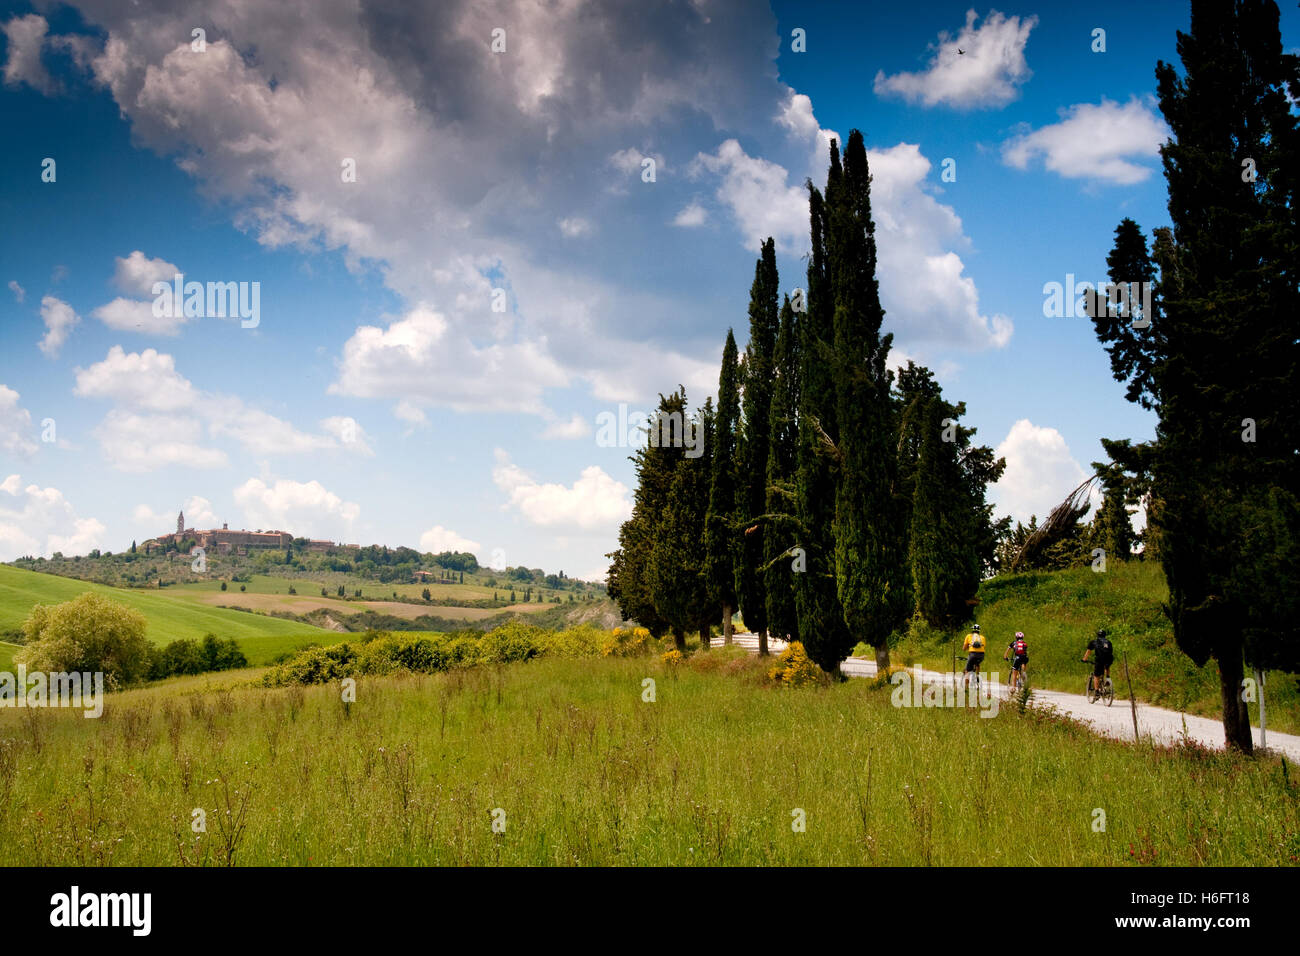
(973, 647)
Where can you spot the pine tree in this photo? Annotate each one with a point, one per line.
(779, 528)
(753, 442)
(719, 530)
(822, 628)
(1219, 361)
(870, 548)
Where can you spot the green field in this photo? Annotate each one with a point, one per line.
(1059, 611)
(713, 772)
(171, 617)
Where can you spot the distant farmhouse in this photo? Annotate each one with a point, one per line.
(224, 541)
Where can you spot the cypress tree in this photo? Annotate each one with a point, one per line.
(1221, 369)
(779, 527)
(719, 533)
(754, 443)
(870, 550)
(822, 628)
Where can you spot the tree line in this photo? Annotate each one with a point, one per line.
(834, 498)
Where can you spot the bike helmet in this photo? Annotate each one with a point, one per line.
(1101, 633)
(1020, 635)
(974, 627)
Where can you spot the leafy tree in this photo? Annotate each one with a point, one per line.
(1219, 359)
(719, 531)
(826, 636)
(754, 443)
(89, 633)
(779, 529)
(678, 557)
(870, 545)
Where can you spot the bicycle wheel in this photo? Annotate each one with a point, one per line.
(1108, 692)
(1087, 691)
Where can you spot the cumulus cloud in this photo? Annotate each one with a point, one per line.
(690, 216)
(15, 424)
(575, 427)
(1040, 472)
(1096, 142)
(161, 419)
(595, 502)
(133, 315)
(59, 318)
(987, 73)
(137, 273)
(575, 227)
(305, 508)
(438, 539)
(761, 200)
(198, 514)
(26, 36)
(39, 521)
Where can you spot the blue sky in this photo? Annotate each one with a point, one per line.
(380, 397)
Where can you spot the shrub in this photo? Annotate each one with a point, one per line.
(627, 642)
(223, 585)
(88, 633)
(794, 668)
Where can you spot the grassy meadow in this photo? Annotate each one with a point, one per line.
(170, 617)
(587, 773)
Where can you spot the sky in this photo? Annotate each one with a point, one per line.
(474, 231)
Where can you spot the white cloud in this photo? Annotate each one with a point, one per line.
(145, 380)
(198, 514)
(17, 290)
(1040, 472)
(756, 192)
(987, 73)
(690, 216)
(26, 36)
(305, 508)
(41, 521)
(135, 442)
(132, 315)
(59, 318)
(574, 227)
(629, 162)
(15, 424)
(410, 413)
(595, 502)
(349, 434)
(438, 539)
(575, 427)
(420, 360)
(136, 274)
(260, 432)
(1094, 142)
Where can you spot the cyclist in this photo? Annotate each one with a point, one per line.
(1020, 649)
(973, 647)
(1105, 657)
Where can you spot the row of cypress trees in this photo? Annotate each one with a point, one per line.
(832, 499)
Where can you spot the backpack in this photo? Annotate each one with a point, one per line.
(977, 642)
(1102, 645)
(1020, 647)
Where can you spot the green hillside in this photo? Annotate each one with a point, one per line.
(170, 618)
(1059, 611)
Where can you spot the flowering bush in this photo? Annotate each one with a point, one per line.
(794, 668)
(627, 642)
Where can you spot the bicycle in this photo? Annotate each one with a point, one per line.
(1099, 690)
(1018, 678)
(962, 658)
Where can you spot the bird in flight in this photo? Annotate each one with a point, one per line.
(960, 51)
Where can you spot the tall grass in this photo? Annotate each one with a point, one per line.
(587, 773)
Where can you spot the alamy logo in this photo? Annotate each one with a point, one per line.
(103, 909)
(1117, 299)
(58, 689)
(212, 300)
(661, 430)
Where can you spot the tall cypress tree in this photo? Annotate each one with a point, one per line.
(754, 444)
(677, 557)
(630, 582)
(870, 548)
(779, 527)
(719, 533)
(822, 628)
(1223, 369)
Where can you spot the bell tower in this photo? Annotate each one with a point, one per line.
(180, 524)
